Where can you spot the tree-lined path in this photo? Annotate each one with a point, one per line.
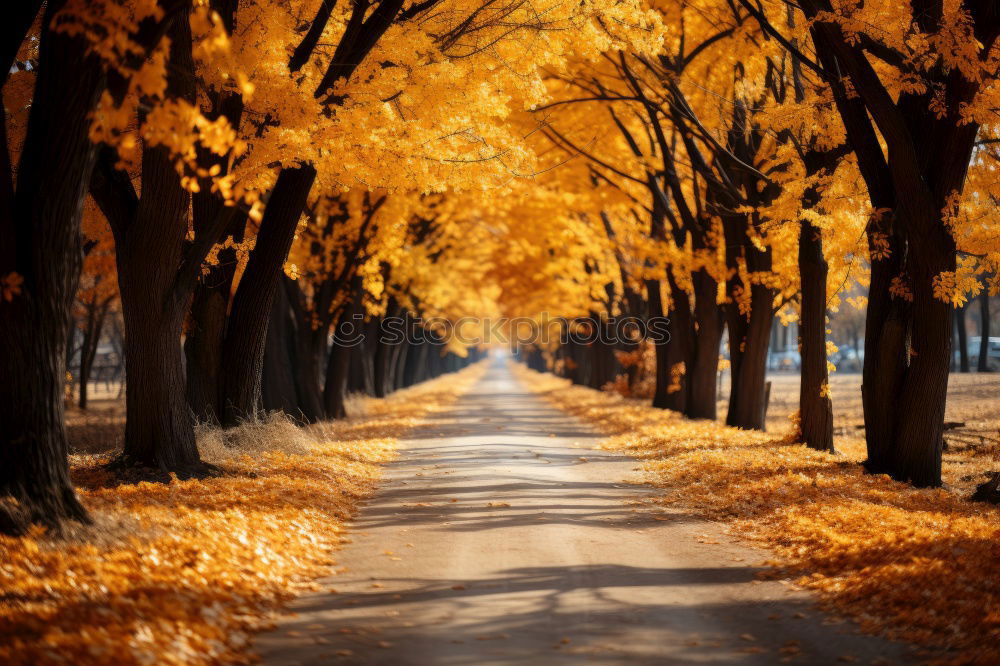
(501, 536)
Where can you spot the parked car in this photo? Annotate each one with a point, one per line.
(973, 344)
(849, 359)
(788, 359)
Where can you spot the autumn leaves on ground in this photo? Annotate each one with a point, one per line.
(184, 572)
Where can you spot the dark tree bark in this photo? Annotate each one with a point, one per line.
(40, 240)
(703, 389)
(416, 363)
(661, 348)
(345, 352)
(362, 371)
(983, 363)
(338, 366)
(207, 319)
(156, 275)
(309, 42)
(962, 340)
(749, 332)
(203, 348)
(815, 406)
(680, 349)
(278, 389)
(243, 354)
(749, 337)
(399, 367)
(907, 358)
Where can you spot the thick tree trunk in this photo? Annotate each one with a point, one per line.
(416, 363)
(402, 353)
(210, 305)
(278, 392)
(150, 248)
(920, 421)
(203, 349)
(928, 154)
(680, 349)
(661, 398)
(159, 433)
(339, 364)
(886, 324)
(209, 312)
(983, 363)
(380, 366)
(703, 389)
(243, 354)
(362, 372)
(747, 398)
(815, 406)
(40, 241)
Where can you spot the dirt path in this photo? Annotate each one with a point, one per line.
(501, 537)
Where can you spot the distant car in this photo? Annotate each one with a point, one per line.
(973, 344)
(849, 359)
(788, 359)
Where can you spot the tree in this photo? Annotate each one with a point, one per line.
(918, 183)
(40, 240)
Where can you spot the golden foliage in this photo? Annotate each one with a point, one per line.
(920, 565)
(181, 573)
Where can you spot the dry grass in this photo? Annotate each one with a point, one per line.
(184, 572)
(972, 449)
(921, 565)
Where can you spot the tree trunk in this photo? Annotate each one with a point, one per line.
(96, 314)
(681, 347)
(203, 349)
(747, 403)
(159, 433)
(243, 354)
(210, 305)
(278, 392)
(983, 364)
(963, 339)
(361, 377)
(209, 311)
(416, 363)
(150, 248)
(661, 398)
(925, 161)
(338, 367)
(815, 406)
(40, 241)
(703, 393)
(402, 353)
(380, 365)
(920, 420)
(886, 324)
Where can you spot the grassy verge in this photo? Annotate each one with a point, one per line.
(183, 573)
(919, 565)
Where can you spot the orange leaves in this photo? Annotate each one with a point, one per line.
(10, 286)
(181, 573)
